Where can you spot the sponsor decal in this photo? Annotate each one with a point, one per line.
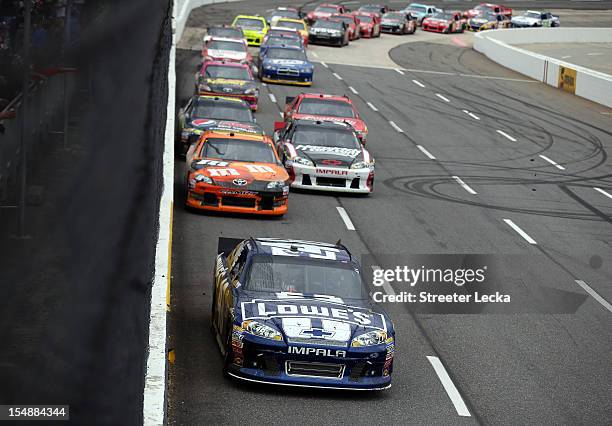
(202, 122)
(205, 162)
(334, 172)
(332, 162)
(229, 192)
(223, 81)
(223, 172)
(240, 182)
(297, 350)
(345, 152)
(255, 168)
(299, 249)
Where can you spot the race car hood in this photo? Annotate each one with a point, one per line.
(330, 156)
(391, 21)
(356, 123)
(224, 85)
(324, 31)
(292, 63)
(203, 124)
(525, 20)
(240, 175)
(436, 21)
(478, 21)
(303, 318)
(227, 54)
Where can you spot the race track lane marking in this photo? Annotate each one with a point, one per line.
(464, 185)
(506, 135)
(272, 97)
(337, 76)
(471, 114)
(281, 114)
(399, 71)
(595, 295)
(418, 83)
(449, 386)
(520, 231)
(602, 192)
(445, 99)
(396, 127)
(545, 158)
(427, 153)
(324, 64)
(345, 217)
(372, 106)
(352, 89)
(314, 54)
(385, 285)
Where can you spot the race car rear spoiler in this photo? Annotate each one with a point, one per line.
(226, 245)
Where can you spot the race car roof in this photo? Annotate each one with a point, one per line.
(225, 63)
(328, 97)
(228, 39)
(301, 248)
(329, 124)
(219, 99)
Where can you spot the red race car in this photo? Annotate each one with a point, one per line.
(445, 22)
(226, 49)
(487, 7)
(324, 10)
(353, 24)
(369, 24)
(316, 106)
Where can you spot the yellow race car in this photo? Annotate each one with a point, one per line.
(254, 28)
(296, 24)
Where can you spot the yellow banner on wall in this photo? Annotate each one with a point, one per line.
(567, 79)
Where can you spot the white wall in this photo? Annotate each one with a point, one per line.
(498, 46)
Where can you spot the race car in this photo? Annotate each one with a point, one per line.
(317, 106)
(353, 24)
(282, 12)
(253, 27)
(488, 21)
(444, 22)
(369, 24)
(227, 79)
(398, 23)
(286, 65)
(489, 8)
(297, 24)
(533, 18)
(421, 11)
(279, 40)
(205, 112)
(226, 49)
(224, 31)
(236, 171)
(324, 10)
(296, 313)
(374, 8)
(324, 155)
(326, 31)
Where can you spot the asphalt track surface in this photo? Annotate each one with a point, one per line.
(595, 56)
(499, 134)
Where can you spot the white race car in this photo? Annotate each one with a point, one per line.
(534, 18)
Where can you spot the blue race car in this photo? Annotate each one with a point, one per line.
(297, 313)
(287, 65)
(280, 41)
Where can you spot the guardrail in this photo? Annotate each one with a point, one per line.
(589, 84)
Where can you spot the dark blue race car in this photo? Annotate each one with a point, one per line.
(287, 65)
(297, 313)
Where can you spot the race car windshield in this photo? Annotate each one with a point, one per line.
(284, 14)
(249, 23)
(233, 73)
(370, 8)
(344, 19)
(284, 33)
(394, 16)
(275, 274)
(364, 18)
(326, 107)
(416, 8)
(482, 7)
(215, 111)
(290, 24)
(294, 54)
(226, 45)
(335, 25)
(325, 9)
(533, 15)
(443, 16)
(337, 138)
(225, 32)
(279, 41)
(238, 150)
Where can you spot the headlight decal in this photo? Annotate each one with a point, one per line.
(261, 330)
(371, 338)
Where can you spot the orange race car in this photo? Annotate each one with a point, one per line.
(238, 172)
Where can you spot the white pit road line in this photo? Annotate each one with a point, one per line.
(345, 217)
(337, 76)
(352, 89)
(520, 231)
(399, 71)
(272, 97)
(445, 99)
(449, 386)
(545, 158)
(396, 127)
(281, 115)
(595, 295)
(418, 83)
(385, 285)
(324, 64)
(506, 135)
(372, 106)
(464, 185)
(607, 194)
(314, 54)
(427, 153)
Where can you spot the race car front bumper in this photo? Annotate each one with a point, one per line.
(392, 29)
(253, 38)
(332, 179)
(264, 361)
(434, 28)
(287, 76)
(324, 39)
(213, 198)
